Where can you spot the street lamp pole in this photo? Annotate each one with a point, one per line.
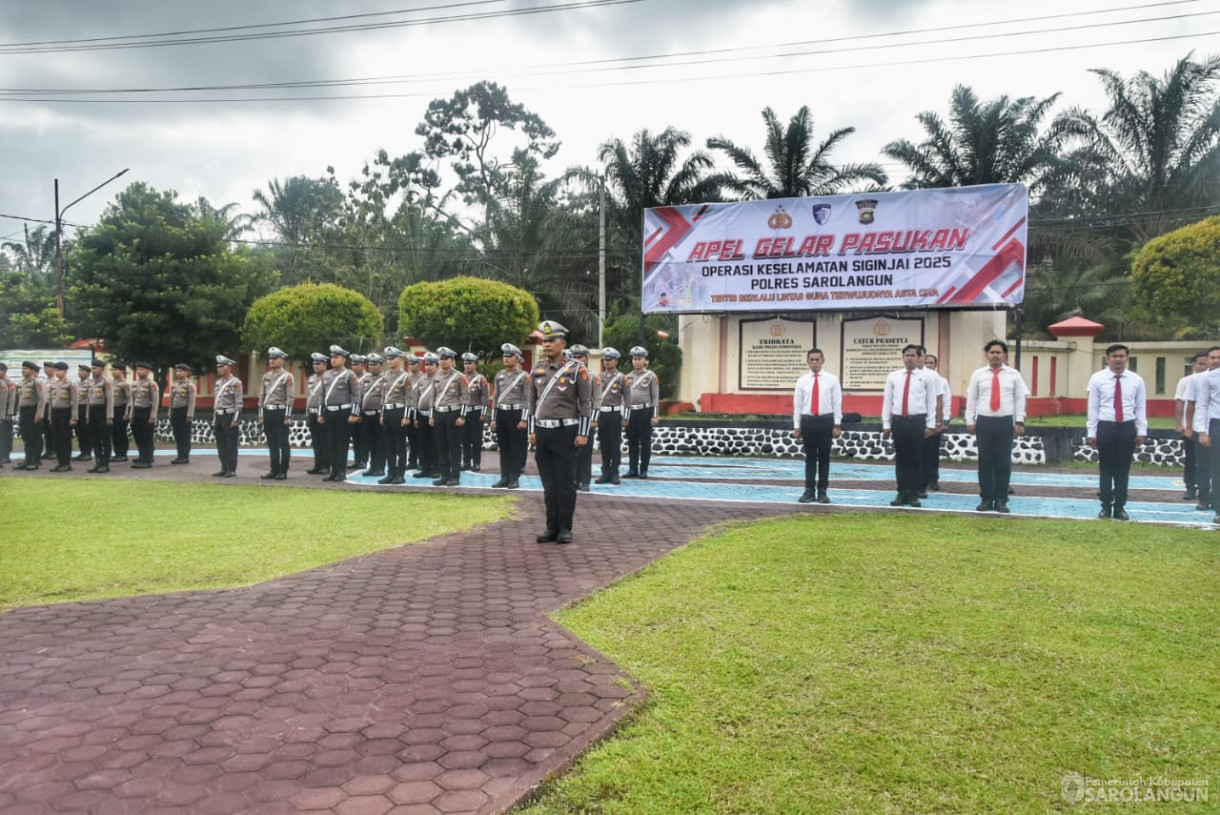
(59, 230)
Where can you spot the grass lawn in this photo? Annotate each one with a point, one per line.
(109, 538)
(894, 664)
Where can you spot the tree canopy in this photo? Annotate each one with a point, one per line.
(300, 320)
(468, 314)
(1176, 278)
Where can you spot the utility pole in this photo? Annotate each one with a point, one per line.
(59, 231)
(601, 268)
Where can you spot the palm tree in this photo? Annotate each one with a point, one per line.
(1000, 141)
(1157, 148)
(794, 168)
(235, 225)
(35, 255)
(298, 211)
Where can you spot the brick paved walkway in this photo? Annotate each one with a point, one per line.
(424, 679)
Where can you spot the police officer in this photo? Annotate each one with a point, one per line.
(559, 415)
(182, 395)
(508, 416)
(84, 438)
(640, 413)
(422, 417)
(396, 386)
(227, 402)
(415, 375)
(313, 407)
(472, 431)
(610, 417)
(142, 413)
(450, 403)
(100, 399)
(63, 396)
(340, 396)
(584, 456)
(371, 400)
(7, 400)
(31, 407)
(121, 386)
(48, 379)
(275, 413)
(359, 366)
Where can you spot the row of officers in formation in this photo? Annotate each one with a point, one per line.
(917, 407)
(399, 411)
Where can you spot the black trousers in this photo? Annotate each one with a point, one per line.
(555, 455)
(118, 431)
(817, 437)
(317, 441)
(6, 441)
(994, 437)
(181, 426)
(360, 447)
(144, 434)
(513, 442)
(1115, 447)
(472, 439)
(425, 436)
(338, 439)
(370, 433)
(639, 440)
(908, 452)
(100, 432)
(31, 433)
(395, 441)
(61, 434)
(584, 464)
(84, 433)
(412, 445)
(227, 437)
(447, 437)
(929, 472)
(48, 441)
(1190, 454)
(277, 439)
(610, 440)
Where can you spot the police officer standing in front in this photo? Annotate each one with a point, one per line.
(84, 434)
(559, 415)
(359, 366)
(64, 399)
(100, 398)
(451, 401)
(372, 393)
(142, 413)
(340, 396)
(313, 408)
(472, 431)
(275, 413)
(121, 387)
(421, 415)
(227, 409)
(610, 417)
(397, 384)
(508, 416)
(182, 395)
(31, 404)
(640, 412)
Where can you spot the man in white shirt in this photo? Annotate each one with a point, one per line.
(995, 413)
(930, 473)
(1183, 411)
(1118, 423)
(908, 413)
(1206, 425)
(817, 419)
(1203, 476)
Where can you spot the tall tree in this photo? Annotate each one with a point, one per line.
(795, 167)
(34, 256)
(1000, 141)
(1157, 147)
(299, 212)
(158, 281)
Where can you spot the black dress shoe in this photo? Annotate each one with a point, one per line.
(1203, 506)
(267, 476)
(549, 536)
(440, 482)
(900, 501)
(921, 494)
(1191, 495)
(605, 479)
(453, 482)
(512, 484)
(389, 479)
(105, 468)
(373, 473)
(61, 468)
(985, 506)
(82, 457)
(615, 480)
(465, 467)
(398, 479)
(356, 466)
(631, 474)
(217, 474)
(181, 461)
(140, 465)
(823, 498)
(117, 459)
(423, 474)
(806, 497)
(230, 474)
(94, 468)
(503, 482)
(564, 536)
(47, 456)
(914, 502)
(1002, 507)
(1120, 514)
(643, 473)
(935, 487)
(1104, 515)
(582, 487)
(474, 468)
(317, 470)
(281, 476)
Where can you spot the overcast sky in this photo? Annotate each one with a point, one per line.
(713, 65)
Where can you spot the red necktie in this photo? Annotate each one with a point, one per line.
(813, 403)
(995, 390)
(1118, 398)
(906, 393)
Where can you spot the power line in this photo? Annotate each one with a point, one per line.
(491, 15)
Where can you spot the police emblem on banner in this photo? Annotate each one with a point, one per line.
(821, 213)
(866, 209)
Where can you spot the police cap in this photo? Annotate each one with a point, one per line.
(391, 352)
(550, 330)
(611, 353)
(61, 366)
(580, 351)
(274, 353)
(182, 366)
(444, 352)
(511, 350)
(431, 358)
(337, 351)
(319, 358)
(469, 357)
(639, 351)
(375, 358)
(221, 359)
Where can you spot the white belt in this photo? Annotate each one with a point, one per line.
(645, 405)
(372, 412)
(614, 409)
(336, 408)
(315, 411)
(275, 407)
(439, 409)
(550, 424)
(224, 412)
(509, 407)
(425, 413)
(393, 406)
